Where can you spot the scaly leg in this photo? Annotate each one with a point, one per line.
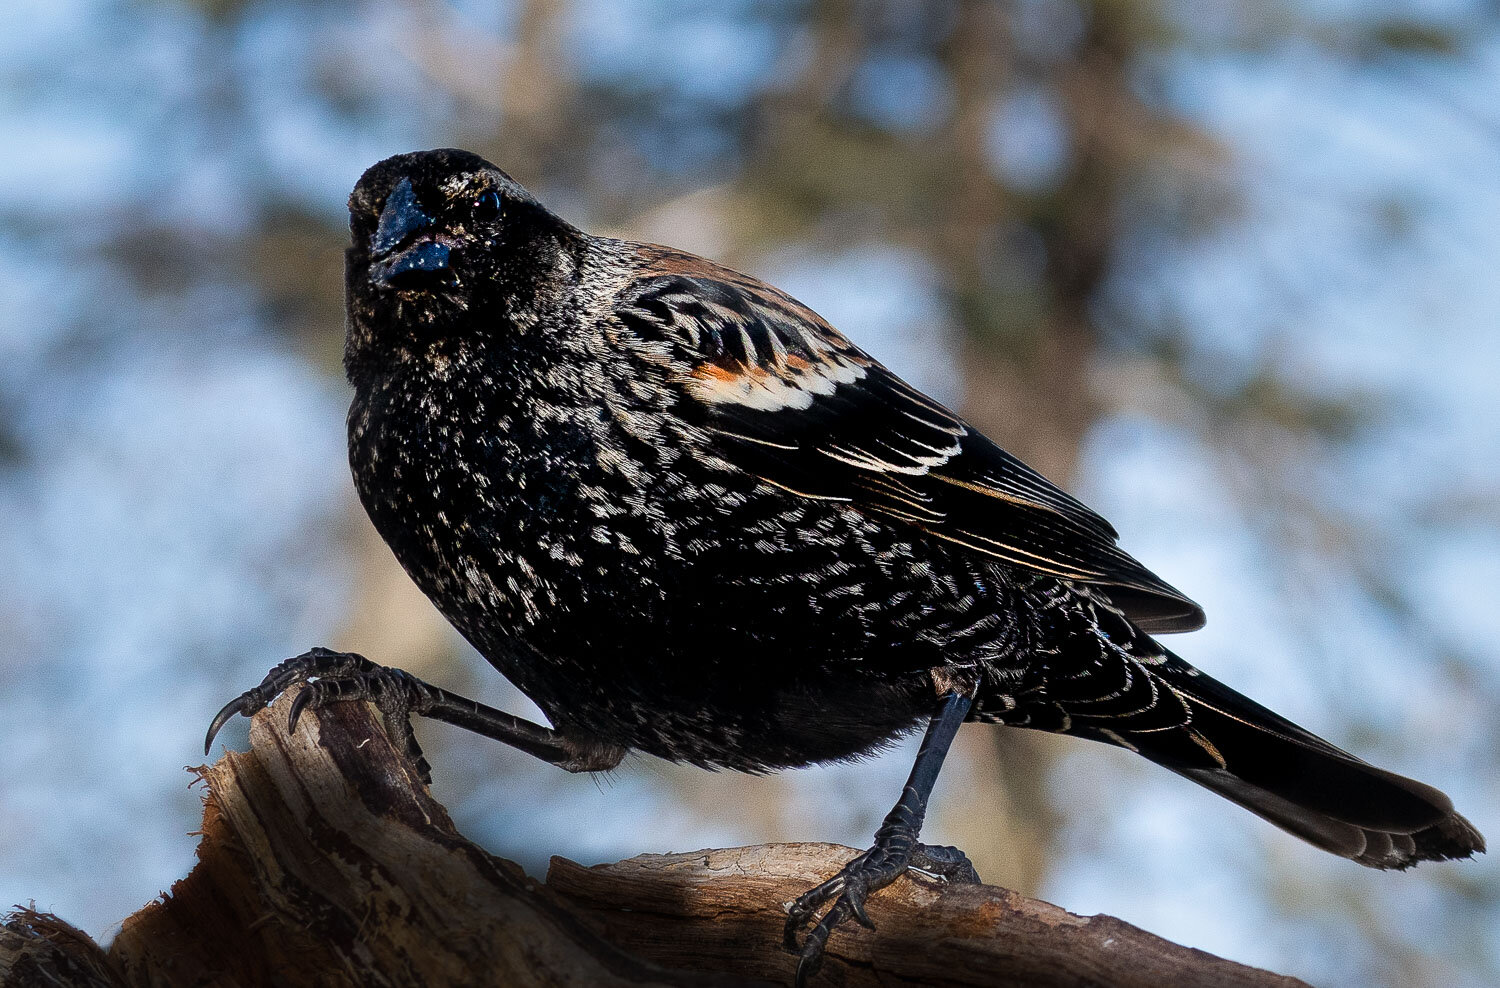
(896, 850)
(334, 677)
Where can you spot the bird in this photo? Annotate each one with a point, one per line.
(688, 517)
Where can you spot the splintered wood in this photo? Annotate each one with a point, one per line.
(324, 861)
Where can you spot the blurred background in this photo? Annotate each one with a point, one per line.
(1226, 270)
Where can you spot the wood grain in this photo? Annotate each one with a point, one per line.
(324, 861)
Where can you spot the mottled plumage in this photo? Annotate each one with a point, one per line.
(687, 517)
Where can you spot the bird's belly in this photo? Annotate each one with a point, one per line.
(736, 654)
(749, 631)
(643, 657)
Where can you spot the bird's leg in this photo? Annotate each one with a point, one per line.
(333, 677)
(896, 849)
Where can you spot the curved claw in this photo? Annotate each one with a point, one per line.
(857, 907)
(224, 716)
(299, 704)
(315, 662)
(808, 964)
(848, 903)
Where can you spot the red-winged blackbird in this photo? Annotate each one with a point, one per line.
(687, 517)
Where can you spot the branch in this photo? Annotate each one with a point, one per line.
(325, 861)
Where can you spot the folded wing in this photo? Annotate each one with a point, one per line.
(790, 400)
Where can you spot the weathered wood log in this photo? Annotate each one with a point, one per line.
(324, 861)
(40, 949)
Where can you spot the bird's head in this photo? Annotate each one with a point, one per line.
(445, 243)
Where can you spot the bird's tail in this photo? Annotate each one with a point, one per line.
(1163, 708)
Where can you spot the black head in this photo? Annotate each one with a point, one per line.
(445, 243)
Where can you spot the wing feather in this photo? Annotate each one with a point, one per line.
(793, 402)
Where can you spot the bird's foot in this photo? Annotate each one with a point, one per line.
(893, 855)
(335, 677)
(945, 862)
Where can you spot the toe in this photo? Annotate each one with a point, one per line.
(300, 703)
(857, 908)
(229, 710)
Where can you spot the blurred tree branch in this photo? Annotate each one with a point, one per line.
(325, 861)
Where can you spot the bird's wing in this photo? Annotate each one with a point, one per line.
(788, 399)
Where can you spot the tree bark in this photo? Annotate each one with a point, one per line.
(324, 861)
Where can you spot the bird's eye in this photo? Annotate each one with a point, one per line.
(487, 206)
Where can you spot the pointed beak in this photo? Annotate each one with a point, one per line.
(401, 218)
(401, 223)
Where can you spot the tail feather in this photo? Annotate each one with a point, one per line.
(1107, 680)
(1449, 836)
(1296, 780)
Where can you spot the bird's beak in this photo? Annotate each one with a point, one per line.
(401, 255)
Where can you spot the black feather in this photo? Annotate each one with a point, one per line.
(688, 517)
(878, 443)
(1123, 689)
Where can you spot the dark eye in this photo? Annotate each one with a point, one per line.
(487, 206)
